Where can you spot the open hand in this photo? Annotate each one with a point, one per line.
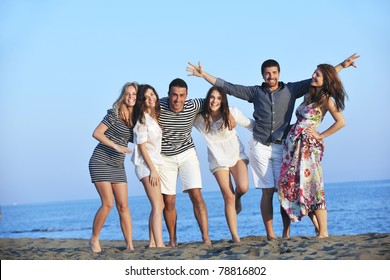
(195, 70)
(350, 61)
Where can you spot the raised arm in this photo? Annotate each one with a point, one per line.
(198, 71)
(350, 61)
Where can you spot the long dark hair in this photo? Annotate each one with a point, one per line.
(139, 109)
(332, 88)
(224, 109)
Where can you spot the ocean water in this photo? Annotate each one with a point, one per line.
(353, 208)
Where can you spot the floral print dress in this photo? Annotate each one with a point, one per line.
(300, 185)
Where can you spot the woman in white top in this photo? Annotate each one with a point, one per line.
(225, 151)
(147, 156)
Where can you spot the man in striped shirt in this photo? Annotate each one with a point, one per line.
(179, 157)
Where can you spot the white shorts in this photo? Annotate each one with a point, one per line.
(185, 165)
(265, 162)
(143, 170)
(245, 160)
(219, 168)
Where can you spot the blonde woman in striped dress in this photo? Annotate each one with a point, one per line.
(106, 166)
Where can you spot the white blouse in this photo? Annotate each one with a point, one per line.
(150, 133)
(223, 145)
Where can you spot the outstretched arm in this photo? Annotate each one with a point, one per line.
(198, 71)
(350, 61)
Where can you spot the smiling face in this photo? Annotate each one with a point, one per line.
(271, 77)
(317, 79)
(150, 99)
(130, 96)
(177, 97)
(215, 101)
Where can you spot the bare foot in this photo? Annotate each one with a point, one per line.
(286, 234)
(129, 250)
(158, 246)
(236, 240)
(95, 246)
(173, 244)
(207, 242)
(269, 238)
(322, 236)
(238, 204)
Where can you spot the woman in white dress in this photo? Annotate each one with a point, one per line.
(225, 152)
(147, 156)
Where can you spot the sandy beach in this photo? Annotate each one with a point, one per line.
(370, 246)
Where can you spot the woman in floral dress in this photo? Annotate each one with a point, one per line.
(301, 188)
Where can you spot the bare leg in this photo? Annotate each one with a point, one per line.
(200, 212)
(313, 219)
(170, 217)
(240, 175)
(267, 212)
(155, 220)
(225, 184)
(122, 205)
(322, 218)
(286, 223)
(106, 196)
(152, 242)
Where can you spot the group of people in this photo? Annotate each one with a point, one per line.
(282, 159)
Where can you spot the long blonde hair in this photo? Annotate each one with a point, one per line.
(121, 100)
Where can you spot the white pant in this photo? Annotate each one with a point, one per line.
(265, 162)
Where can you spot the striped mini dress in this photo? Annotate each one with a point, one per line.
(106, 164)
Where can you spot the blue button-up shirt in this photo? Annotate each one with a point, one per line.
(272, 110)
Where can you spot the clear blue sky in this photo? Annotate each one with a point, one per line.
(62, 64)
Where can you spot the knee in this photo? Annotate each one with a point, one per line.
(122, 207)
(108, 205)
(196, 197)
(159, 207)
(230, 198)
(169, 203)
(268, 193)
(242, 187)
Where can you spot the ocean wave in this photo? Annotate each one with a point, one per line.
(50, 230)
